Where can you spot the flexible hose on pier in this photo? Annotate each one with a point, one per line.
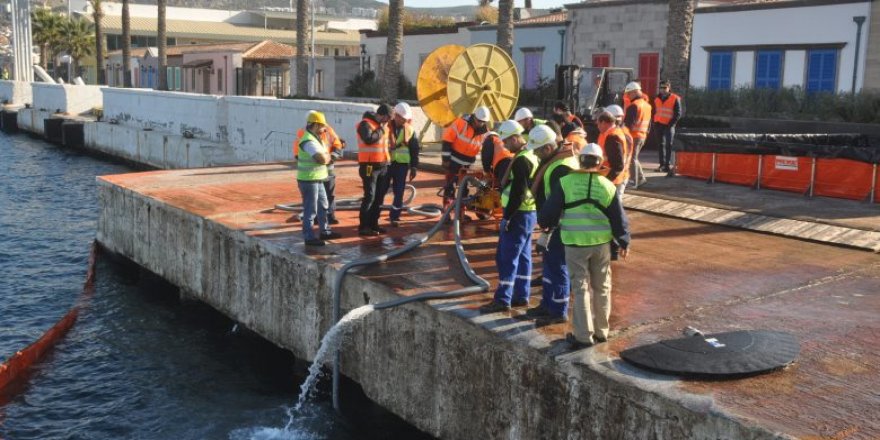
(354, 204)
(481, 285)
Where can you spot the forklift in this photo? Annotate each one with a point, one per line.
(586, 90)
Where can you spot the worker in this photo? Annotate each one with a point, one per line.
(494, 155)
(404, 157)
(373, 158)
(667, 113)
(590, 218)
(462, 142)
(553, 308)
(617, 112)
(637, 119)
(614, 149)
(311, 172)
(574, 135)
(561, 108)
(514, 254)
(336, 145)
(525, 118)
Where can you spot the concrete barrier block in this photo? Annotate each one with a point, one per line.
(16, 93)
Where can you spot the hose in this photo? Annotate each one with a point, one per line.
(481, 285)
(354, 204)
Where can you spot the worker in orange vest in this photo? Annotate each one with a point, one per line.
(565, 115)
(617, 112)
(495, 157)
(373, 159)
(462, 142)
(614, 148)
(637, 119)
(336, 145)
(667, 112)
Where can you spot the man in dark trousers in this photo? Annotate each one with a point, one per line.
(667, 113)
(373, 159)
(404, 157)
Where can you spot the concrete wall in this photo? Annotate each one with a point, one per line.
(622, 30)
(439, 371)
(545, 39)
(801, 26)
(15, 92)
(65, 98)
(169, 112)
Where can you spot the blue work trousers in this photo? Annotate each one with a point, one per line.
(665, 135)
(514, 258)
(314, 197)
(555, 279)
(397, 173)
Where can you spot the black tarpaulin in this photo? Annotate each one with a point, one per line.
(831, 146)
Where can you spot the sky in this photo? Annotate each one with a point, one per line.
(541, 4)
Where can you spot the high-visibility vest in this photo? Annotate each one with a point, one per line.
(329, 138)
(570, 161)
(626, 101)
(528, 202)
(536, 123)
(400, 145)
(465, 142)
(640, 128)
(373, 153)
(629, 150)
(582, 222)
(578, 141)
(665, 110)
(616, 132)
(306, 168)
(499, 153)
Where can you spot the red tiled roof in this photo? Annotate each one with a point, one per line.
(270, 50)
(556, 17)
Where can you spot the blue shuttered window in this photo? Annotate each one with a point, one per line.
(821, 70)
(768, 69)
(720, 70)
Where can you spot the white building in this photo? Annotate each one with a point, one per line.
(417, 45)
(798, 43)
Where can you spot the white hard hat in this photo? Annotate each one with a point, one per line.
(632, 86)
(403, 110)
(592, 149)
(615, 110)
(482, 113)
(522, 113)
(509, 128)
(540, 136)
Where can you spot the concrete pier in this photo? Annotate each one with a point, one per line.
(458, 375)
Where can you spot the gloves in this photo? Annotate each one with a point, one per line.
(412, 174)
(543, 241)
(505, 225)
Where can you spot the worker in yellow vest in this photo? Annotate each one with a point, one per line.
(336, 145)
(637, 119)
(514, 253)
(525, 118)
(311, 172)
(590, 218)
(404, 156)
(667, 112)
(373, 159)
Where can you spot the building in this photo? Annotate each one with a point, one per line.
(538, 45)
(797, 43)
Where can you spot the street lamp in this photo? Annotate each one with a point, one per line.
(561, 46)
(859, 20)
(363, 58)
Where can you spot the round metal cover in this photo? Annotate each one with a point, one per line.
(731, 354)
(431, 84)
(483, 75)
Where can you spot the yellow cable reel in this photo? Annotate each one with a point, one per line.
(454, 81)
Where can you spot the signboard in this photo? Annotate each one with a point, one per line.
(786, 163)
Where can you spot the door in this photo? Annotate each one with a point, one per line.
(206, 81)
(533, 69)
(649, 72)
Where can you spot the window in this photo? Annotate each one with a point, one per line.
(601, 60)
(821, 70)
(532, 69)
(768, 69)
(336, 51)
(649, 72)
(720, 68)
(178, 81)
(319, 81)
(169, 77)
(192, 82)
(220, 80)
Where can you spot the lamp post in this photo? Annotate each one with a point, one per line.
(859, 20)
(561, 46)
(363, 58)
(312, 58)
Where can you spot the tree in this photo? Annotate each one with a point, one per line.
(162, 37)
(97, 15)
(78, 42)
(413, 21)
(126, 44)
(486, 14)
(505, 26)
(393, 49)
(302, 37)
(679, 29)
(47, 28)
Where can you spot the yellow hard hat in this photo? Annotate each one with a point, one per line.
(316, 117)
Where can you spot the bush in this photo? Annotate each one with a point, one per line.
(366, 85)
(789, 103)
(544, 89)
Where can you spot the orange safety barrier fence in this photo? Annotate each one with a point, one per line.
(787, 173)
(739, 169)
(698, 165)
(843, 178)
(16, 368)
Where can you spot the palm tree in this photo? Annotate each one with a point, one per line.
(97, 15)
(505, 26)
(126, 44)
(679, 29)
(163, 46)
(46, 33)
(78, 42)
(302, 37)
(393, 49)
